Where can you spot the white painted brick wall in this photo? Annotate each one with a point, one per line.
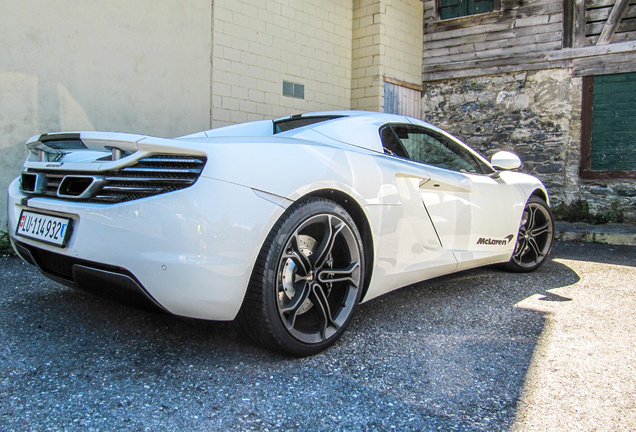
(257, 45)
(387, 40)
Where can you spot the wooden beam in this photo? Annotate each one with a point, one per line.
(578, 38)
(611, 64)
(568, 24)
(403, 83)
(615, 17)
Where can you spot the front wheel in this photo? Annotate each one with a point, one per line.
(307, 281)
(535, 239)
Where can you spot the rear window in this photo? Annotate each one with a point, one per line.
(296, 122)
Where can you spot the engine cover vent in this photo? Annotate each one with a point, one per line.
(149, 176)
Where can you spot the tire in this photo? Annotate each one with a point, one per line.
(535, 238)
(307, 281)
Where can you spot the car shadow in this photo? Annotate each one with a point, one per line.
(449, 353)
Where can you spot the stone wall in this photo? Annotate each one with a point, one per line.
(536, 115)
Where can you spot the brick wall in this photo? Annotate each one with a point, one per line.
(257, 45)
(402, 39)
(366, 80)
(387, 41)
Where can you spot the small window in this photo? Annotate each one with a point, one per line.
(431, 148)
(458, 8)
(294, 90)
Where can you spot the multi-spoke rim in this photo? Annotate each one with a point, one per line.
(535, 236)
(318, 278)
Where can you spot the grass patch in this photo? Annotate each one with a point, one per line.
(5, 244)
(579, 211)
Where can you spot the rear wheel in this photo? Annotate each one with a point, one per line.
(535, 239)
(307, 281)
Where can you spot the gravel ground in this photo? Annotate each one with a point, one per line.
(480, 350)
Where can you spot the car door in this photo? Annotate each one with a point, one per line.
(470, 208)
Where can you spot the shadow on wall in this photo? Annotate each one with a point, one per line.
(30, 105)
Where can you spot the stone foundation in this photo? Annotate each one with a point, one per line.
(534, 114)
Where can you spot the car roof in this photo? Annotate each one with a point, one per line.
(358, 128)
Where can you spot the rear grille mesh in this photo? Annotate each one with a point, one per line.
(149, 176)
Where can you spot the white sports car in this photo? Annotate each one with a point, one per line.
(283, 226)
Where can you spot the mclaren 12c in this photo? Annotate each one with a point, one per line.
(283, 226)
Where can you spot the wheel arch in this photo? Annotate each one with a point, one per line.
(540, 193)
(362, 223)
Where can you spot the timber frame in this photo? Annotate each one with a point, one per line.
(592, 37)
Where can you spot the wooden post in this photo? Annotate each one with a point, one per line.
(568, 24)
(578, 39)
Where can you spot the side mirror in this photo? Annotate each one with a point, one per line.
(505, 160)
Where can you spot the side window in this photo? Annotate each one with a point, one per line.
(423, 145)
(391, 143)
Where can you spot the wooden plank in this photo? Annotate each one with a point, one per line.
(401, 100)
(463, 23)
(624, 47)
(534, 16)
(624, 36)
(618, 12)
(528, 41)
(560, 58)
(475, 72)
(627, 26)
(486, 36)
(595, 4)
(435, 32)
(624, 26)
(401, 83)
(525, 18)
(525, 31)
(594, 29)
(588, 70)
(603, 65)
(596, 15)
(493, 53)
(488, 63)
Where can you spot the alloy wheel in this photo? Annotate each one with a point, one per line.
(318, 278)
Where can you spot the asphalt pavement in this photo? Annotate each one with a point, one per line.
(479, 350)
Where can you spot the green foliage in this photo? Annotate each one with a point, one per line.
(5, 244)
(579, 211)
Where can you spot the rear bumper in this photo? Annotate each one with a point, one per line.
(188, 252)
(113, 283)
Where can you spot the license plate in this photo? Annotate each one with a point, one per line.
(48, 229)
